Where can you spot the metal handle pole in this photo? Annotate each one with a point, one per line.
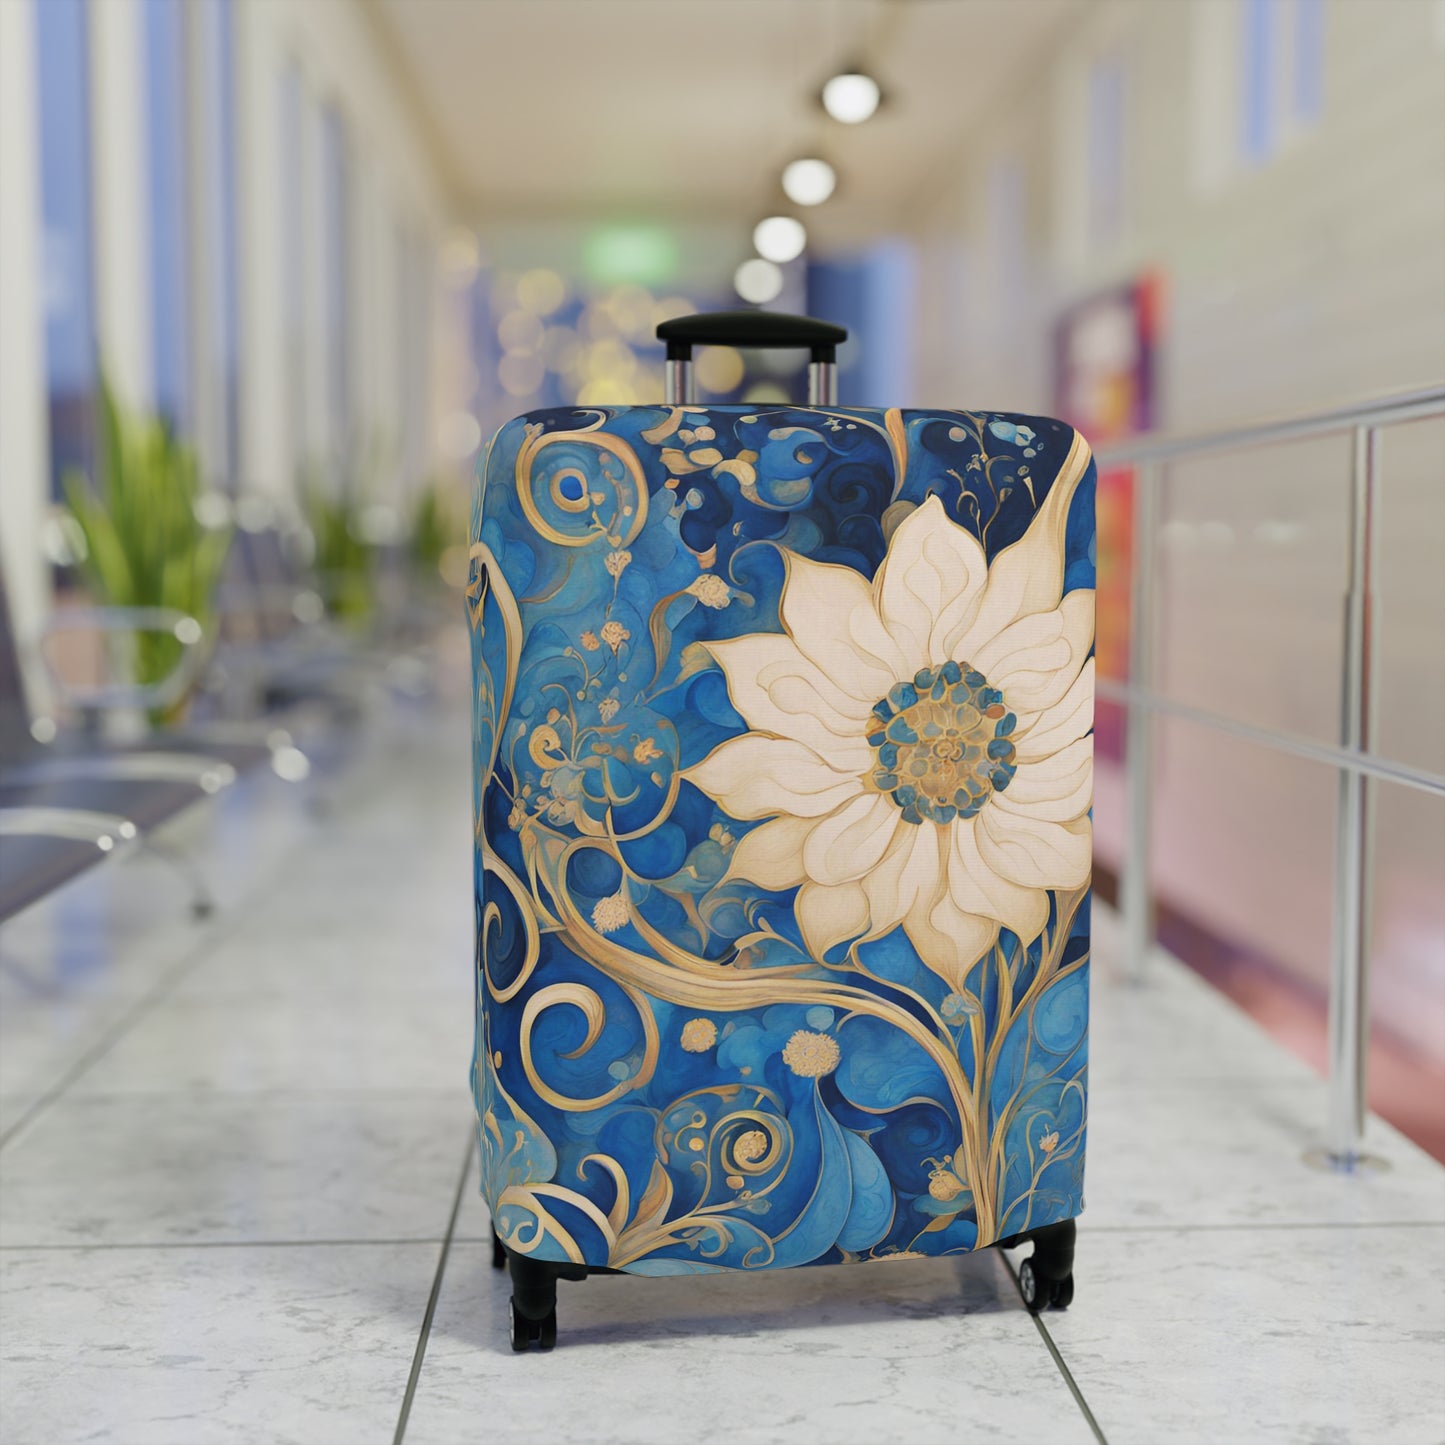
(1349, 1006)
(822, 383)
(1135, 885)
(678, 383)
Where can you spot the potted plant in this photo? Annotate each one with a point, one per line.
(150, 538)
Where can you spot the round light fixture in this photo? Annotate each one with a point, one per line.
(541, 291)
(720, 369)
(808, 181)
(459, 434)
(780, 238)
(461, 257)
(851, 97)
(758, 281)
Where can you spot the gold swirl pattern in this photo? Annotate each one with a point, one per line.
(596, 489)
(796, 1076)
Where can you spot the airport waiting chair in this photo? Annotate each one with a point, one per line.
(68, 801)
(278, 653)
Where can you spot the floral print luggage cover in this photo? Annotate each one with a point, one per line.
(783, 768)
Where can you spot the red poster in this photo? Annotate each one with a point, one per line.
(1104, 385)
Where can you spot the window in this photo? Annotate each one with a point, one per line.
(1106, 143)
(220, 363)
(1258, 64)
(336, 260)
(1281, 73)
(1259, 74)
(62, 45)
(1309, 60)
(166, 130)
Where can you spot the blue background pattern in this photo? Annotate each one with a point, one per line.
(608, 1136)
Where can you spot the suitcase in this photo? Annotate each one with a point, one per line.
(783, 768)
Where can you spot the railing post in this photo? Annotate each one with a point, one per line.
(1349, 982)
(1135, 887)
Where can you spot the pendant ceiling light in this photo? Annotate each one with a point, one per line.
(780, 238)
(758, 281)
(852, 96)
(808, 181)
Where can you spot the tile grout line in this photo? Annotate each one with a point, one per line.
(1053, 1349)
(436, 1288)
(1293, 1225)
(127, 1021)
(168, 1244)
(139, 1245)
(234, 917)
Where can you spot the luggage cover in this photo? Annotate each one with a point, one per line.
(783, 769)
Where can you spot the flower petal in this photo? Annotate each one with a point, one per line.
(1059, 788)
(755, 776)
(828, 915)
(949, 940)
(772, 854)
(847, 844)
(778, 690)
(1033, 851)
(1035, 659)
(976, 888)
(1029, 576)
(930, 580)
(910, 873)
(1065, 722)
(828, 611)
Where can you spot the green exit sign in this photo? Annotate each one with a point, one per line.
(642, 255)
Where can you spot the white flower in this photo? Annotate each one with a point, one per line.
(920, 745)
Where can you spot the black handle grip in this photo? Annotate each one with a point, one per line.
(770, 329)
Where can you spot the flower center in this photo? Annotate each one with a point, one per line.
(942, 743)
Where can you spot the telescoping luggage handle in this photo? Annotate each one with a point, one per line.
(770, 329)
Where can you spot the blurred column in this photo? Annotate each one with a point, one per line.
(24, 443)
(264, 442)
(316, 443)
(213, 161)
(121, 193)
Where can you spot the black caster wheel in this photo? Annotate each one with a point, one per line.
(525, 1332)
(1036, 1290)
(499, 1252)
(1064, 1292)
(1040, 1293)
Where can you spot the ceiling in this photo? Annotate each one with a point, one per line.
(686, 110)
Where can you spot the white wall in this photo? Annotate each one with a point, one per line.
(1314, 277)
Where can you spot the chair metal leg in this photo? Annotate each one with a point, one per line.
(203, 902)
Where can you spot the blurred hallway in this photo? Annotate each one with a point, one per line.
(393, 229)
(236, 1164)
(273, 272)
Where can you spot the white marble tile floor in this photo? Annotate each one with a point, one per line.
(237, 1202)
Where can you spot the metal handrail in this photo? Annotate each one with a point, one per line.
(1297, 746)
(1359, 769)
(1388, 410)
